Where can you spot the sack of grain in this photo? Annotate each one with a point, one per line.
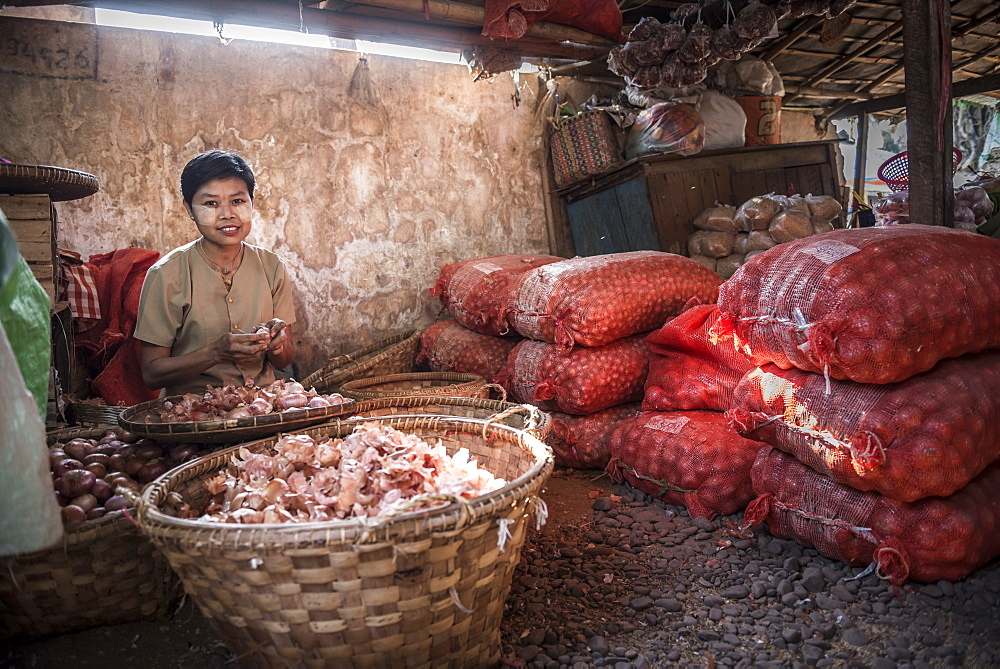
(448, 347)
(477, 293)
(824, 206)
(727, 266)
(583, 442)
(579, 380)
(759, 240)
(790, 225)
(928, 435)
(718, 218)
(757, 212)
(595, 300)
(936, 538)
(688, 458)
(873, 305)
(689, 370)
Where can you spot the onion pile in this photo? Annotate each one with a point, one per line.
(88, 474)
(242, 402)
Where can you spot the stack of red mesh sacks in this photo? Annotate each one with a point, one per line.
(585, 357)
(681, 449)
(879, 391)
(478, 294)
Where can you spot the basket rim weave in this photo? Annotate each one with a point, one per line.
(227, 430)
(61, 184)
(540, 423)
(349, 365)
(89, 413)
(462, 383)
(162, 528)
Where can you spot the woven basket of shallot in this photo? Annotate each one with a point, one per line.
(435, 384)
(387, 543)
(519, 416)
(103, 572)
(392, 355)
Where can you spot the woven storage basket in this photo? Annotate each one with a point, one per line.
(91, 414)
(518, 416)
(104, 572)
(392, 355)
(423, 589)
(583, 145)
(434, 384)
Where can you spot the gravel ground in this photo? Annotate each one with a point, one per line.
(616, 579)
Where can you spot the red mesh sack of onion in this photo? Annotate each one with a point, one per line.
(688, 458)
(448, 347)
(874, 305)
(583, 442)
(928, 435)
(596, 300)
(579, 380)
(478, 293)
(929, 540)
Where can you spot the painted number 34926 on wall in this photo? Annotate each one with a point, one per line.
(50, 54)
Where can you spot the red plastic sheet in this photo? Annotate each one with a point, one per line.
(873, 305)
(688, 458)
(929, 540)
(688, 369)
(511, 19)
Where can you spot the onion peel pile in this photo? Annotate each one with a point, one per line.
(373, 471)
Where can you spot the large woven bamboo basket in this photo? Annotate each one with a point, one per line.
(104, 572)
(419, 384)
(518, 416)
(421, 589)
(392, 355)
(93, 414)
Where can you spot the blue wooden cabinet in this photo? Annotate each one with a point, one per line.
(650, 202)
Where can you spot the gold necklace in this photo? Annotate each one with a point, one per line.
(225, 271)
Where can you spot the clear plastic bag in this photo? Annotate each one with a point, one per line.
(666, 128)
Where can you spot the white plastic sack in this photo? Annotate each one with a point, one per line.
(724, 119)
(30, 519)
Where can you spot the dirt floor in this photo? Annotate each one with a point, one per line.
(620, 580)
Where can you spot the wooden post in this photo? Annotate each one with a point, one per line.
(927, 58)
(861, 156)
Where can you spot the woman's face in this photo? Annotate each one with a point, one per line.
(222, 210)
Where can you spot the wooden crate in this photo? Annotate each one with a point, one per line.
(650, 203)
(32, 218)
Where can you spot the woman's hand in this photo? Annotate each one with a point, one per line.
(240, 347)
(280, 348)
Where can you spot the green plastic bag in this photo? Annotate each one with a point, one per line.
(26, 317)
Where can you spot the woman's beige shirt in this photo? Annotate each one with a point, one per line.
(185, 306)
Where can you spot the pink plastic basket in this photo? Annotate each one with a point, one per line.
(895, 171)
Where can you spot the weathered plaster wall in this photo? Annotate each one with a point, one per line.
(365, 205)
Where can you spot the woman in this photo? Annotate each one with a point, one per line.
(216, 311)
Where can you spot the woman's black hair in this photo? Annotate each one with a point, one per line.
(211, 165)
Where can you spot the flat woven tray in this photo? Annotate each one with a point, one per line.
(416, 589)
(519, 416)
(59, 183)
(392, 355)
(104, 572)
(228, 431)
(437, 384)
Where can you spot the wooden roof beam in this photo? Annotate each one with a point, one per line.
(474, 15)
(349, 26)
